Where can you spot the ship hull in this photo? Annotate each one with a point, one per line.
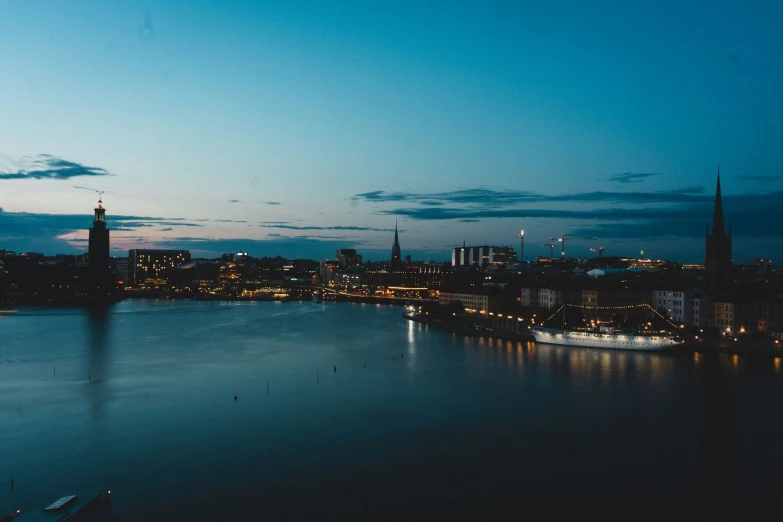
(612, 341)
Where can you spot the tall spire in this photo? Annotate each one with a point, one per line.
(396, 254)
(718, 229)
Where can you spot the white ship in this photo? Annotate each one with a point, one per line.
(605, 336)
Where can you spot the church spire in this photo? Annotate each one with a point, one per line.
(396, 253)
(718, 229)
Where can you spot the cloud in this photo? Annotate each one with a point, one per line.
(337, 227)
(46, 166)
(674, 213)
(234, 201)
(495, 198)
(632, 177)
(289, 247)
(272, 202)
(759, 178)
(29, 229)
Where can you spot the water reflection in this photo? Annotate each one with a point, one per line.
(414, 331)
(580, 365)
(602, 367)
(98, 369)
(718, 459)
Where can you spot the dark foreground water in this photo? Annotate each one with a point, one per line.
(415, 423)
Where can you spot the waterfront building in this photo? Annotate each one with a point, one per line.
(733, 318)
(676, 303)
(529, 296)
(549, 298)
(351, 276)
(153, 267)
(478, 302)
(736, 318)
(718, 246)
(121, 269)
(700, 310)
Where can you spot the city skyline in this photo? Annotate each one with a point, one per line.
(299, 129)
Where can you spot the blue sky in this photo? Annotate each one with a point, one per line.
(296, 128)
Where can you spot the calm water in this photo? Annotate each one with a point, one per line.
(414, 422)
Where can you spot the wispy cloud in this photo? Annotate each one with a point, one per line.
(234, 201)
(632, 177)
(290, 247)
(680, 212)
(336, 227)
(501, 198)
(46, 166)
(759, 178)
(272, 202)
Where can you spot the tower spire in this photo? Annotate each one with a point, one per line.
(396, 253)
(718, 229)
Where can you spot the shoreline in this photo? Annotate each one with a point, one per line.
(467, 330)
(745, 346)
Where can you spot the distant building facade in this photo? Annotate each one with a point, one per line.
(482, 256)
(348, 257)
(149, 266)
(701, 309)
(676, 303)
(471, 301)
(122, 269)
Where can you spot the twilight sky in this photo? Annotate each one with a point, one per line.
(295, 128)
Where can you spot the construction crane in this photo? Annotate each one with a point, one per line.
(600, 251)
(562, 239)
(551, 248)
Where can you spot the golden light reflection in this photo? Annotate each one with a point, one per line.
(777, 364)
(695, 357)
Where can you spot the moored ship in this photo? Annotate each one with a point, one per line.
(605, 336)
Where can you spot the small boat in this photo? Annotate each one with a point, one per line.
(317, 297)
